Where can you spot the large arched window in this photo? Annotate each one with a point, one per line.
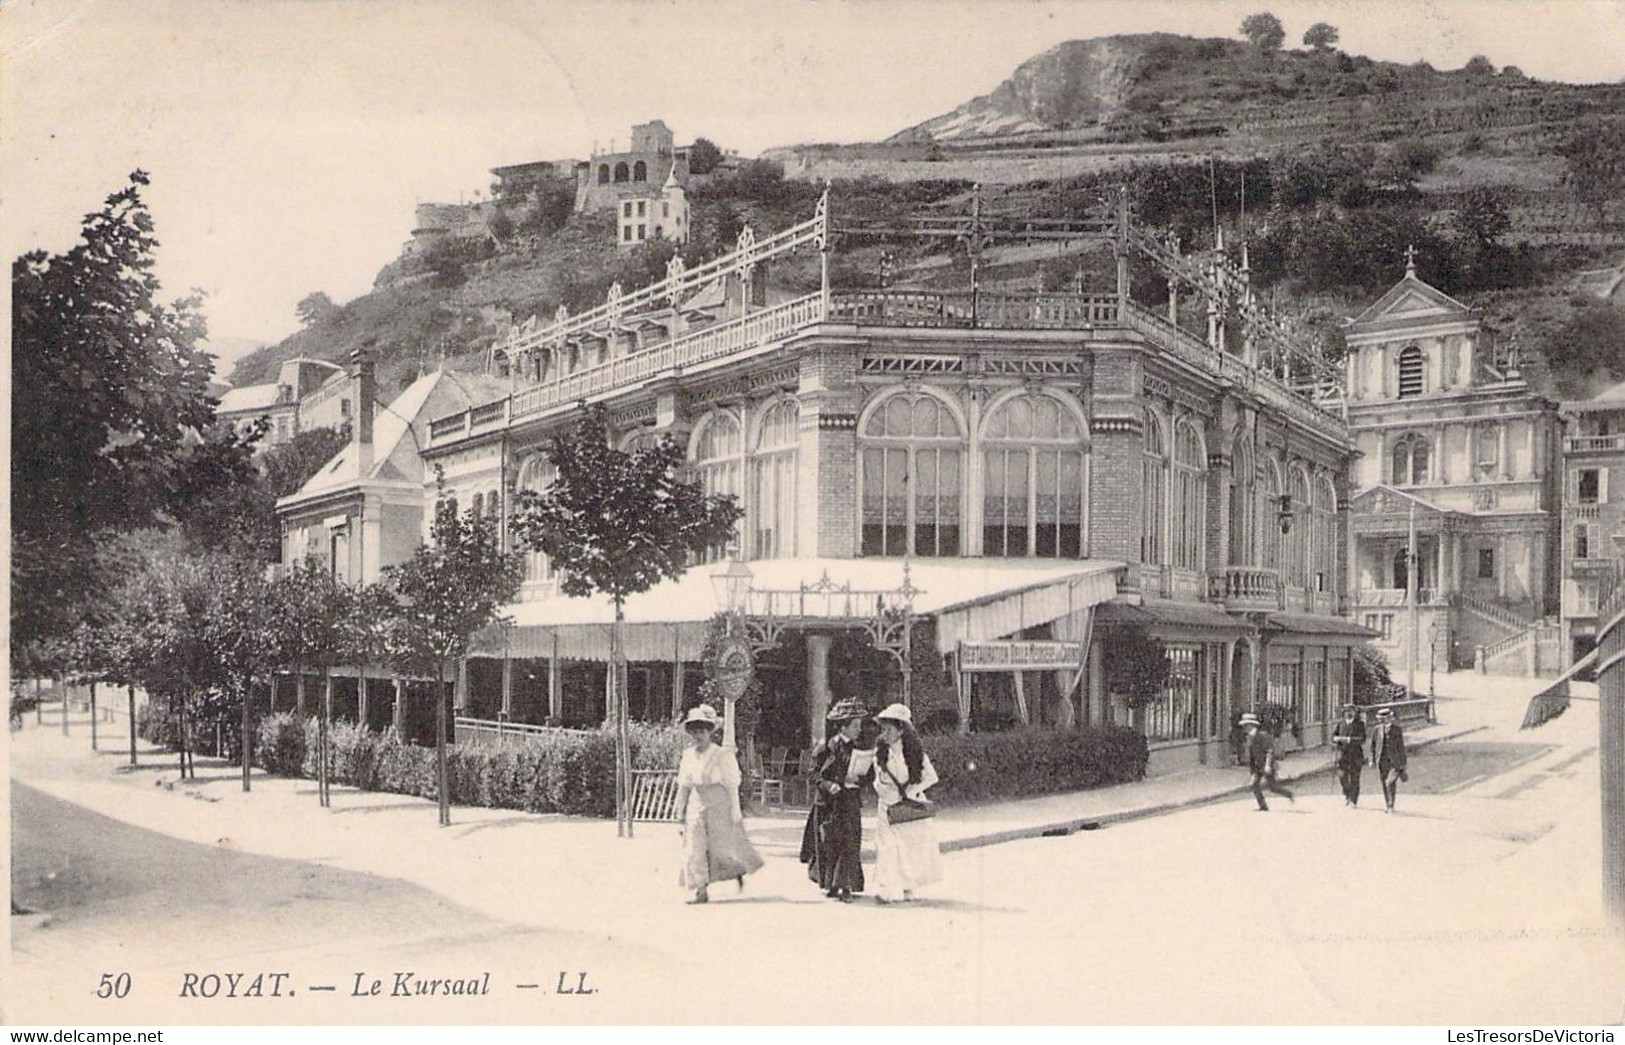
(536, 475)
(773, 483)
(1189, 498)
(1033, 491)
(1325, 578)
(1269, 526)
(1298, 539)
(718, 463)
(1154, 486)
(1243, 503)
(1412, 372)
(912, 447)
(1411, 460)
(621, 173)
(640, 171)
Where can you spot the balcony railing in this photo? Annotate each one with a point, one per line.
(962, 309)
(1245, 588)
(1584, 444)
(1382, 598)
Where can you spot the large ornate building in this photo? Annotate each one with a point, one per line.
(1019, 475)
(1593, 521)
(1458, 466)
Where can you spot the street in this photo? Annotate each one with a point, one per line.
(1477, 903)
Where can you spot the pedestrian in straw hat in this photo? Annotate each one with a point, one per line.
(1261, 760)
(831, 842)
(1388, 755)
(715, 847)
(907, 855)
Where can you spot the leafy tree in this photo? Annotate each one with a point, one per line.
(290, 465)
(1596, 164)
(242, 630)
(1321, 36)
(1479, 65)
(221, 503)
(313, 609)
(110, 383)
(1137, 667)
(617, 524)
(449, 589)
(369, 638)
(1586, 348)
(1264, 31)
(703, 156)
(314, 307)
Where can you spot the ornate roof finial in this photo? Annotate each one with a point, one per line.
(1410, 261)
(1218, 239)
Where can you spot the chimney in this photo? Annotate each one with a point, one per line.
(362, 369)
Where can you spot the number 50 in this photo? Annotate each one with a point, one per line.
(113, 986)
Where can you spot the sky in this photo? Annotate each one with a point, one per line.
(289, 140)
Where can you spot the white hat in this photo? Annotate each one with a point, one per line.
(704, 715)
(1249, 719)
(896, 713)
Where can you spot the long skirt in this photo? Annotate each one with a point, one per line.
(907, 856)
(715, 847)
(832, 839)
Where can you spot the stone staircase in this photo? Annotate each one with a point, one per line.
(1534, 652)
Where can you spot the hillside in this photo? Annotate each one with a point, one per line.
(1160, 87)
(1329, 165)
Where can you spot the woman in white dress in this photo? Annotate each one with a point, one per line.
(715, 847)
(907, 855)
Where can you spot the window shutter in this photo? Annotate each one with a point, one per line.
(1602, 485)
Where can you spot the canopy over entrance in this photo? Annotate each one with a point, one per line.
(971, 599)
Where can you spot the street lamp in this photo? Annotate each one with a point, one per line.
(733, 588)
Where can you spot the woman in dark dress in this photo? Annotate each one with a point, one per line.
(834, 834)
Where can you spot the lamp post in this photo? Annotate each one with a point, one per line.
(1433, 652)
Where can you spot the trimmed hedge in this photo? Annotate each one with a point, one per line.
(980, 767)
(553, 772)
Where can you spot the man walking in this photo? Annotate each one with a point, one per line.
(1388, 755)
(1350, 740)
(1261, 760)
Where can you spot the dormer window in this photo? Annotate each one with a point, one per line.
(1412, 372)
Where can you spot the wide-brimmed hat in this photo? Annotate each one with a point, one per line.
(1249, 719)
(896, 713)
(703, 715)
(847, 710)
(1385, 713)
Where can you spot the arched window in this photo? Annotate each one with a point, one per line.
(1325, 579)
(536, 475)
(1243, 503)
(1033, 491)
(640, 440)
(718, 462)
(1269, 525)
(912, 447)
(1412, 372)
(621, 173)
(1297, 541)
(479, 506)
(640, 171)
(1411, 459)
(1189, 498)
(493, 505)
(1154, 485)
(603, 174)
(773, 483)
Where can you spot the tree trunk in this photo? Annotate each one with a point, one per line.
(130, 690)
(62, 690)
(180, 735)
(623, 744)
(444, 784)
(93, 715)
(322, 770)
(361, 696)
(246, 745)
(299, 692)
(39, 703)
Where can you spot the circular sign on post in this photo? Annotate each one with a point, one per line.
(734, 666)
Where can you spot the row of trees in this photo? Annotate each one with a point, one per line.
(201, 632)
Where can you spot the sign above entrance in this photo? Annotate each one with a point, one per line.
(1019, 656)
